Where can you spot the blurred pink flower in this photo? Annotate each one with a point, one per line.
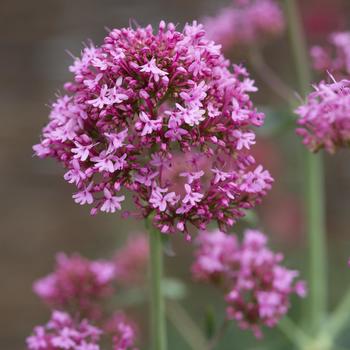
(258, 288)
(131, 261)
(335, 57)
(77, 284)
(122, 330)
(245, 22)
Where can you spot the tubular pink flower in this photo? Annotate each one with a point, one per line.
(257, 287)
(324, 119)
(145, 100)
(245, 22)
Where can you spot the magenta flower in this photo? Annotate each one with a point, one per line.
(335, 57)
(124, 338)
(77, 284)
(324, 119)
(144, 99)
(131, 261)
(245, 22)
(63, 333)
(257, 287)
(214, 255)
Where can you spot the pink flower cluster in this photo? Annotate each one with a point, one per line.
(258, 288)
(142, 99)
(77, 284)
(324, 119)
(81, 287)
(64, 333)
(124, 337)
(131, 261)
(245, 22)
(335, 57)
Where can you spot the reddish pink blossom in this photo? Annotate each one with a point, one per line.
(334, 57)
(214, 256)
(124, 337)
(324, 119)
(143, 99)
(131, 261)
(258, 288)
(63, 333)
(77, 284)
(245, 22)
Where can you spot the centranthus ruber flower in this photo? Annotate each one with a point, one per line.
(63, 332)
(131, 261)
(257, 287)
(245, 22)
(324, 119)
(77, 284)
(334, 57)
(144, 99)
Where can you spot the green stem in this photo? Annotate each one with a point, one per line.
(317, 239)
(186, 326)
(338, 320)
(314, 194)
(276, 84)
(299, 47)
(293, 333)
(219, 335)
(158, 320)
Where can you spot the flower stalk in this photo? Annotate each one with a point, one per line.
(157, 305)
(314, 175)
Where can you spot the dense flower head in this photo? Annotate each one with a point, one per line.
(139, 101)
(131, 261)
(334, 57)
(64, 333)
(245, 22)
(77, 284)
(324, 119)
(257, 286)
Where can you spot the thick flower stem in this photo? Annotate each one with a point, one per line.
(314, 179)
(158, 320)
(317, 238)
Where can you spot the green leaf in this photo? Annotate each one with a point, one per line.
(168, 246)
(209, 322)
(174, 288)
(251, 218)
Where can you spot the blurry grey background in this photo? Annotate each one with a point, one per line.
(37, 215)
